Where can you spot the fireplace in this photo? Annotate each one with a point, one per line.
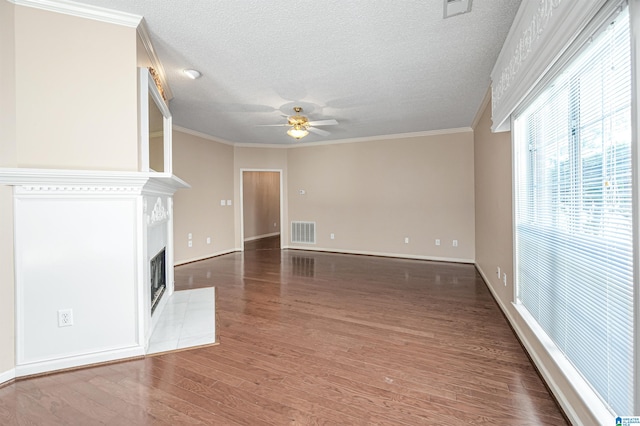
(158, 278)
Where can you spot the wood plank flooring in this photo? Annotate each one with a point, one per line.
(315, 338)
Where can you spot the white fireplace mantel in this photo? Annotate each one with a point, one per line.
(83, 241)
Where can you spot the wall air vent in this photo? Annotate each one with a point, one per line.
(456, 7)
(303, 232)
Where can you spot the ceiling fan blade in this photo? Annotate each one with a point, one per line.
(330, 122)
(272, 125)
(318, 131)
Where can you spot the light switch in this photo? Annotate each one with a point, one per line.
(223, 203)
(228, 202)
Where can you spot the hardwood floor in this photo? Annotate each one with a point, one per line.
(315, 338)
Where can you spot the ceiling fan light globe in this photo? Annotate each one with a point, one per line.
(297, 133)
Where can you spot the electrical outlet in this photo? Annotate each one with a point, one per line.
(65, 317)
(455, 243)
(208, 240)
(499, 274)
(275, 224)
(190, 244)
(189, 236)
(437, 241)
(333, 236)
(406, 240)
(228, 202)
(504, 278)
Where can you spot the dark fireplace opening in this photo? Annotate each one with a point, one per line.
(158, 274)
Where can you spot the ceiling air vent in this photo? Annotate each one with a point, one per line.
(456, 7)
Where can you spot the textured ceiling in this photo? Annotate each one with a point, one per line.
(378, 67)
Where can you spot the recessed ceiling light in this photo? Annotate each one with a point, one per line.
(192, 74)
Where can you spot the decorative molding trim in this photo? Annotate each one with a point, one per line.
(164, 184)
(143, 33)
(69, 182)
(541, 33)
(483, 105)
(83, 190)
(367, 138)
(158, 83)
(63, 177)
(202, 135)
(529, 36)
(83, 11)
(158, 214)
(381, 254)
(335, 142)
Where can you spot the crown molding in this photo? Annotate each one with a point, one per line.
(334, 142)
(483, 105)
(387, 137)
(143, 33)
(202, 135)
(83, 11)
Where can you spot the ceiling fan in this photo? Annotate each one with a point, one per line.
(301, 126)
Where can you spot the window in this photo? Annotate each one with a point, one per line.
(573, 213)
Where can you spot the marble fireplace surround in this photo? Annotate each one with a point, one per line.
(83, 241)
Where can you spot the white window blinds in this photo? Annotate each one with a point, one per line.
(573, 213)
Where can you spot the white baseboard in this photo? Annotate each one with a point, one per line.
(208, 256)
(382, 254)
(7, 376)
(259, 237)
(78, 361)
(594, 406)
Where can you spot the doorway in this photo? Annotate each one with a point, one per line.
(261, 209)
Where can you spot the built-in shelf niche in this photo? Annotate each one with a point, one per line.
(155, 126)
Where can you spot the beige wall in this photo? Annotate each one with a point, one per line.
(7, 159)
(494, 230)
(260, 203)
(265, 159)
(372, 195)
(76, 84)
(208, 167)
(494, 247)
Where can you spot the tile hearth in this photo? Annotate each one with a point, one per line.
(187, 320)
